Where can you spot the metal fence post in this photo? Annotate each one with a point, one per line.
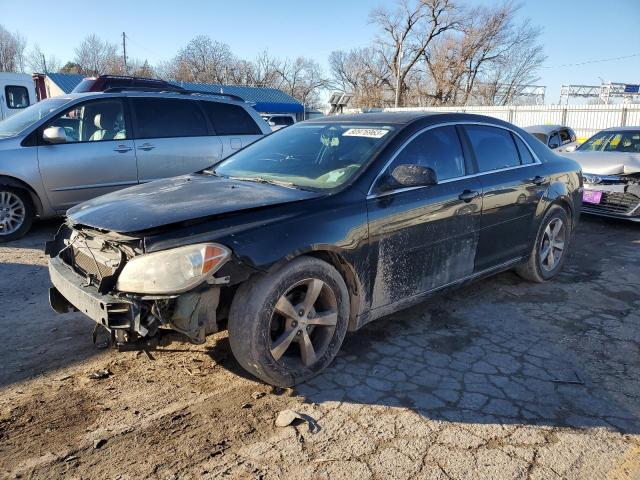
(623, 117)
(564, 116)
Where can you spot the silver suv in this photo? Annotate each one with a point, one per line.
(65, 150)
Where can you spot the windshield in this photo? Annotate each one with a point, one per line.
(27, 117)
(315, 155)
(613, 141)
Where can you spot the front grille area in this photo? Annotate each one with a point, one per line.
(614, 203)
(85, 263)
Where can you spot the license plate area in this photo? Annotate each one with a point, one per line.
(592, 196)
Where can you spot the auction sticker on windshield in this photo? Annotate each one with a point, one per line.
(365, 132)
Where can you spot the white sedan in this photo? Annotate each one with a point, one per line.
(610, 163)
(557, 137)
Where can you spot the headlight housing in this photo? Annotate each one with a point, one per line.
(172, 271)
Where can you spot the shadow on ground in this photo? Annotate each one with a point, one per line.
(564, 353)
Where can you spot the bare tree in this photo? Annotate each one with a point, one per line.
(361, 72)
(302, 78)
(201, 60)
(408, 31)
(266, 70)
(38, 62)
(97, 57)
(12, 47)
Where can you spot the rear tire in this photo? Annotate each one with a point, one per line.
(16, 213)
(550, 248)
(287, 326)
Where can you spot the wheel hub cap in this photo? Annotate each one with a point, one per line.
(303, 322)
(12, 212)
(552, 246)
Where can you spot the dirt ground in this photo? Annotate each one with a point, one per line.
(502, 379)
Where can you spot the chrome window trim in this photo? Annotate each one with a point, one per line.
(370, 193)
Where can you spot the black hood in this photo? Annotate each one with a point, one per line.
(179, 199)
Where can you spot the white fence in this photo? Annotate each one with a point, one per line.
(584, 119)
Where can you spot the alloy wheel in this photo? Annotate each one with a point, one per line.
(552, 245)
(12, 212)
(303, 323)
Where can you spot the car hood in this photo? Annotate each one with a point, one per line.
(606, 163)
(179, 199)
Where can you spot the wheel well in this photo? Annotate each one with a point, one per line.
(15, 183)
(351, 279)
(561, 202)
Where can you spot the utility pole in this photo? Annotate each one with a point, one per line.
(397, 102)
(44, 63)
(124, 52)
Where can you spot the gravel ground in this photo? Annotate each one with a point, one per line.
(501, 380)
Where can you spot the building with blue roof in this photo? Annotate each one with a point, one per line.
(264, 99)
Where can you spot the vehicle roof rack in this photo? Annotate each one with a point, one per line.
(177, 89)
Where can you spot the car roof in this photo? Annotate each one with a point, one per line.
(393, 118)
(542, 128)
(622, 129)
(151, 93)
(406, 118)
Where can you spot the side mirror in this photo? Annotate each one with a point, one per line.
(411, 176)
(54, 135)
(571, 148)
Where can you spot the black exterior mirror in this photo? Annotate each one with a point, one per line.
(410, 176)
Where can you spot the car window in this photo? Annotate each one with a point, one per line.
(315, 155)
(541, 136)
(229, 119)
(16, 96)
(494, 147)
(613, 141)
(282, 120)
(25, 118)
(565, 137)
(168, 117)
(572, 134)
(96, 121)
(525, 154)
(437, 148)
(554, 141)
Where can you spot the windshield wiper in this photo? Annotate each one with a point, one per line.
(280, 183)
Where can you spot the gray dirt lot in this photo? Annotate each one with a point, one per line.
(501, 379)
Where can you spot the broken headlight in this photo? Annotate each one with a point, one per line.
(172, 271)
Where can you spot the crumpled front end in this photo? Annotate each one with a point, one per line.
(84, 266)
(616, 196)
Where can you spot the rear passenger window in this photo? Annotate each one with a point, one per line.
(494, 147)
(168, 117)
(16, 96)
(565, 137)
(228, 119)
(437, 148)
(525, 154)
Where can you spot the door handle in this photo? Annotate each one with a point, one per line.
(122, 149)
(468, 195)
(146, 147)
(538, 180)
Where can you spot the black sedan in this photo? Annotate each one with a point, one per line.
(315, 230)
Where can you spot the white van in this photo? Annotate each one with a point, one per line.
(17, 91)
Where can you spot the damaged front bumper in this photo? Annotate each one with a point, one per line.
(129, 318)
(615, 196)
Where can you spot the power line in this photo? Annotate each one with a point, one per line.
(611, 59)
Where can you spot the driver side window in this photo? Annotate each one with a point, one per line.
(439, 149)
(97, 121)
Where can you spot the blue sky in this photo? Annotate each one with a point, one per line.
(573, 31)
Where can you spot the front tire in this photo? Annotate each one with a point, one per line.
(550, 248)
(286, 327)
(16, 213)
